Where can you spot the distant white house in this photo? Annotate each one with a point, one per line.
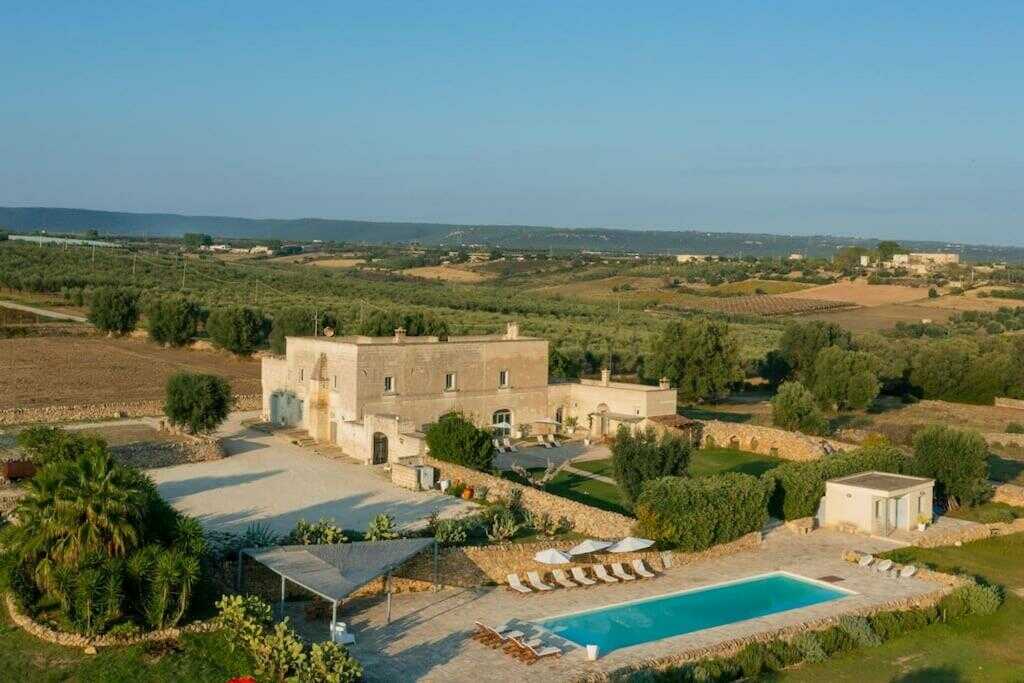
(796, 257)
(877, 502)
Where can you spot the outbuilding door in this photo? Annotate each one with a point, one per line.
(380, 448)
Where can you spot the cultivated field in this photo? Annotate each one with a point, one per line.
(337, 262)
(860, 293)
(759, 305)
(883, 317)
(44, 371)
(448, 273)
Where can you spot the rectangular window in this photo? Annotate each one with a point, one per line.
(335, 381)
(302, 374)
(503, 378)
(389, 384)
(449, 381)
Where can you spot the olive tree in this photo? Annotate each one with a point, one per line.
(700, 357)
(643, 456)
(238, 329)
(845, 379)
(114, 309)
(198, 402)
(958, 461)
(173, 320)
(794, 408)
(455, 439)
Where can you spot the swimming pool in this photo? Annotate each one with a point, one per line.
(643, 621)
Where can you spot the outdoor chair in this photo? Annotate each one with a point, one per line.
(601, 573)
(620, 572)
(497, 446)
(883, 566)
(562, 580)
(866, 561)
(554, 442)
(509, 446)
(536, 582)
(581, 578)
(542, 442)
(518, 646)
(515, 584)
(494, 637)
(641, 570)
(535, 651)
(908, 571)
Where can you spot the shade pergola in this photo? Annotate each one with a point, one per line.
(335, 571)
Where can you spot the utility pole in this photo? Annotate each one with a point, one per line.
(134, 256)
(94, 257)
(184, 263)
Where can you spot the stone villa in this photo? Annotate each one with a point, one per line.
(373, 396)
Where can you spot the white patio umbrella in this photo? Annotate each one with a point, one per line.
(589, 546)
(630, 544)
(552, 556)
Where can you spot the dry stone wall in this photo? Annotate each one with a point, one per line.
(1011, 494)
(102, 411)
(586, 519)
(769, 441)
(974, 532)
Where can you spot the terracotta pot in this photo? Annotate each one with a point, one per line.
(467, 493)
(19, 469)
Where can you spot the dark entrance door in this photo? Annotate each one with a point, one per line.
(380, 448)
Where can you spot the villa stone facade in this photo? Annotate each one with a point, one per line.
(374, 396)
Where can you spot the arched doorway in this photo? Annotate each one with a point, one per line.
(559, 418)
(600, 424)
(501, 422)
(380, 448)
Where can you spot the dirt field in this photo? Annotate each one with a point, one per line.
(863, 294)
(45, 371)
(337, 262)
(882, 317)
(970, 301)
(448, 273)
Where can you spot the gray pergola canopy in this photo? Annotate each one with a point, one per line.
(335, 571)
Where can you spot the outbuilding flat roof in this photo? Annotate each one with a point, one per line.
(881, 481)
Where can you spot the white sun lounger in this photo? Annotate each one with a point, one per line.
(542, 442)
(536, 582)
(581, 578)
(535, 651)
(602, 573)
(509, 446)
(515, 584)
(866, 561)
(641, 570)
(908, 571)
(553, 442)
(883, 566)
(620, 572)
(497, 446)
(562, 579)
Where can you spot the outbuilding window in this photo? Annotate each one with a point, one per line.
(449, 381)
(389, 384)
(503, 379)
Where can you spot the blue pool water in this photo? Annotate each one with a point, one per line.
(632, 623)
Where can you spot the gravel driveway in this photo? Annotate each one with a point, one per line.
(267, 479)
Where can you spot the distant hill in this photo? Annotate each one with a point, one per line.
(27, 219)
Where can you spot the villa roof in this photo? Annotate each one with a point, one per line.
(334, 571)
(881, 481)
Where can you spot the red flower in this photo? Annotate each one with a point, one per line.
(242, 679)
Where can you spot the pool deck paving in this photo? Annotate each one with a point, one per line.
(428, 638)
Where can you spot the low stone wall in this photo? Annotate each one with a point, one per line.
(769, 441)
(183, 449)
(1011, 494)
(1017, 403)
(586, 519)
(1004, 439)
(103, 411)
(50, 635)
(967, 534)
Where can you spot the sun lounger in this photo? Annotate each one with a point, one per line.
(601, 573)
(494, 637)
(908, 571)
(581, 578)
(883, 566)
(542, 442)
(562, 580)
(866, 561)
(619, 572)
(515, 584)
(509, 446)
(554, 443)
(641, 570)
(536, 651)
(519, 646)
(536, 582)
(497, 446)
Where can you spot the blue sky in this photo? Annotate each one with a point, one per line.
(889, 119)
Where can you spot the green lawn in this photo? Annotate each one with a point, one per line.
(989, 648)
(721, 460)
(1005, 469)
(588, 491)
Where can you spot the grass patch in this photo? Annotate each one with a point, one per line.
(978, 648)
(707, 461)
(722, 415)
(1006, 470)
(987, 513)
(591, 492)
(602, 467)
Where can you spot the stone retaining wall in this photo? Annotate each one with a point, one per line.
(1004, 439)
(586, 519)
(50, 635)
(967, 534)
(1010, 403)
(769, 441)
(103, 411)
(1011, 494)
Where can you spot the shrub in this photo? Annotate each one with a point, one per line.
(330, 663)
(1015, 428)
(801, 343)
(240, 330)
(451, 532)
(694, 514)
(173, 320)
(455, 439)
(809, 645)
(47, 445)
(297, 322)
(846, 379)
(382, 528)
(315, 533)
(957, 460)
(243, 617)
(259, 535)
(114, 310)
(796, 488)
(970, 599)
(859, 630)
(196, 401)
(503, 526)
(795, 409)
(641, 457)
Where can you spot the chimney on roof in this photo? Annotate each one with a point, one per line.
(663, 383)
(606, 376)
(512, 330)
(399, 335)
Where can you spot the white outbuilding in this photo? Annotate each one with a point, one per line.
(877, 502)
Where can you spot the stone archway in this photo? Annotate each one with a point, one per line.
(380, 448)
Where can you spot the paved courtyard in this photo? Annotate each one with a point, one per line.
(267, 479)
(428, 638)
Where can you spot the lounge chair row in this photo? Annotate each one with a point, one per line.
(886, 567)
(504, 445)
(579, 577)
(547, 441)
(515, 642)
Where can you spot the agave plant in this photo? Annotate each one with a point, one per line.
(382, 528)
(504, 526)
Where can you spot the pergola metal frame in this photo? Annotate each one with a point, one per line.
(385, 571)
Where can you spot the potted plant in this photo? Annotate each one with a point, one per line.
(467, 493)
(922, 522)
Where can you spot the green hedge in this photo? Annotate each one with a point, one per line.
(796, 488)
(694, 514)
